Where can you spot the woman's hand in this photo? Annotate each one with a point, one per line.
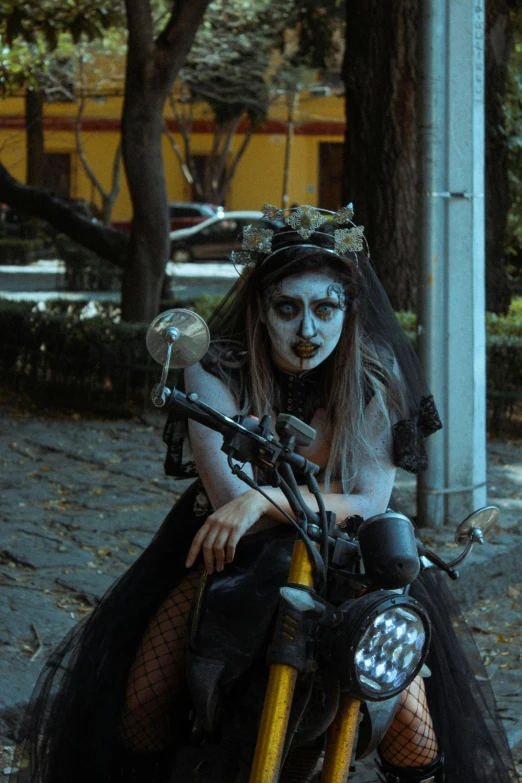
(224, 527)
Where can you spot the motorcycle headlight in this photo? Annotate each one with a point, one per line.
(379, 646)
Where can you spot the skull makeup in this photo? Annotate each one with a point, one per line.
(304, 318)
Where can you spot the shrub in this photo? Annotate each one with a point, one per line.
(84, 269)
(20, 251)
(79, 354)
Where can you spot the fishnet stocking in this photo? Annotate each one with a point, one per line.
(410, 741)
(157, 674)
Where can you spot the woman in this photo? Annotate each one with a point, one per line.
(307, 330)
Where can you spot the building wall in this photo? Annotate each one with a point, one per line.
(259, 176)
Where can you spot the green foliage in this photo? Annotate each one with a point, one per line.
(79, 355)
(507, 325)
(75, 361)
(408, 321)
(502, 325)
(20, 251)
(39, 36)
(229, 60)
(230, 66)
(84, 269)
(45, 20)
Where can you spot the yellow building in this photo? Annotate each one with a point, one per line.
(315, 161)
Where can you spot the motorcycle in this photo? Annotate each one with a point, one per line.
(342, 637)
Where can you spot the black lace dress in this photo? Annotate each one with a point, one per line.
(70, 728)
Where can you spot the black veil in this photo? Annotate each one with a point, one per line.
(418, 417)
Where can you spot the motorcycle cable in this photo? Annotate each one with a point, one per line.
(314, 488)
(319, 519)
(296, 506)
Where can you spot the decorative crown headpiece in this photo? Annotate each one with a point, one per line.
(257, 242)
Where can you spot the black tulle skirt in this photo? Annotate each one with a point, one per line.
(69, 731)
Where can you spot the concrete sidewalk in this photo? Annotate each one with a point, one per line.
(82, 497)
(45, 280)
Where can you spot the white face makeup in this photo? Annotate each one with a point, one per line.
(304, 319)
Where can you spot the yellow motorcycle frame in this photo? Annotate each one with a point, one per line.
(268, 755)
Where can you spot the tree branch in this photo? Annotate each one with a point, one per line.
(36, 202)
(233, 166)
(81, 152)
(116, 167)
(221, 161)
(185, 127)
(177, 151)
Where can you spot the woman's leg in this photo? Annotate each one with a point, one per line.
(157, 675)
(410, 748)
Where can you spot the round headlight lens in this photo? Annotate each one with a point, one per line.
(390, 650)
(379, 645)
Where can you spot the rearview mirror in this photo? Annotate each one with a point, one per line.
(184, 331)
(477, 524)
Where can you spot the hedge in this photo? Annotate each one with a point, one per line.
(80, 356)
(18, 252)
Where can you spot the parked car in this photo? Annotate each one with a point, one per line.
(215, 238)
(182, 214)
(186, 215)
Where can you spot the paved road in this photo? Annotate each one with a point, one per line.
(83, 497)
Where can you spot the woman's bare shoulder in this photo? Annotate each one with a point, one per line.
(209, 388)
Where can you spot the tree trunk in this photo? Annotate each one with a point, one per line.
(380, 168)
(380, 164)
(152, 66)
(142, 125)
(34, 101)
(500, 24)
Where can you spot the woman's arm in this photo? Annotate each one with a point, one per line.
(375, 479)
(237, 510)
(212, 465)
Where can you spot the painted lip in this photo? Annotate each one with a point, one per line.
(305, 350)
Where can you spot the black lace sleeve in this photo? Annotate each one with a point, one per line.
(178, 460)
(409, 436)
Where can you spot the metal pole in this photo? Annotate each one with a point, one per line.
(465, 382)
(430, 330)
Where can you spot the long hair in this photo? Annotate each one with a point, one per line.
(356, 371)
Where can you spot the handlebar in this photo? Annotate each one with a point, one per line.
(271, 450)
(255, 443)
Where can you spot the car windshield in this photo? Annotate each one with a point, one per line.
(230, 226)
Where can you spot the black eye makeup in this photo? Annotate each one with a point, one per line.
(287, 309)
(325, 310)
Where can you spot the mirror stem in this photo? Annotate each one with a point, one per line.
(160, 391)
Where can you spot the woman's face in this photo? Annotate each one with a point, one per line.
(304, 319)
